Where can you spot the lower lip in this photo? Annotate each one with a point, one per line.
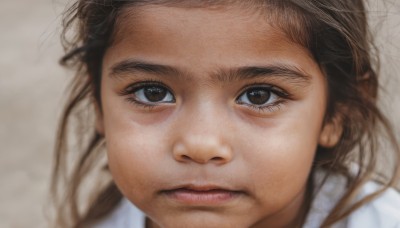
(211, 197)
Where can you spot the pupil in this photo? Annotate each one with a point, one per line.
(155, 94)
(258, 96)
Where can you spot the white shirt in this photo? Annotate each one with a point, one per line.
(382, 212)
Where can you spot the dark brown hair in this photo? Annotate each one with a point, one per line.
(334, 31)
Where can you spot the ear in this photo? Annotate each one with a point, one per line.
(331, 133)
(99, 123)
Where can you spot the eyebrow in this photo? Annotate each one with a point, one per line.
(289, 72)
(135, 66)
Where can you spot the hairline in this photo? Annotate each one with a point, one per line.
(267, 8)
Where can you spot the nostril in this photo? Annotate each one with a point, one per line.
(217, 159)
(185, 157)
(202, 152)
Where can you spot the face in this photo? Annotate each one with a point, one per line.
(211, 117)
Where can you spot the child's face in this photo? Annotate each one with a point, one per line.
(211, 117)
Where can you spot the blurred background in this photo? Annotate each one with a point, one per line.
(31, 98)
(31, 88)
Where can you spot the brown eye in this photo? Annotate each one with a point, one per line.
(153, 94)
(261, 97)
(258, 96)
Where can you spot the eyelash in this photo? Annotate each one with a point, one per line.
(283, 96)
(131, 89)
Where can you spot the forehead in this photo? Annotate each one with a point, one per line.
(207, 24)
(198, 19)
(285, 15)
(223, 36)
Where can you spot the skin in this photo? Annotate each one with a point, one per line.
(204, 136)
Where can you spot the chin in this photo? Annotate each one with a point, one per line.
(201, 219)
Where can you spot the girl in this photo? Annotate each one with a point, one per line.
(223, 114)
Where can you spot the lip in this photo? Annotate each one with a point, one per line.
(202, 195)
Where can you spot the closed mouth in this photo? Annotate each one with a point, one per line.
(201, 195)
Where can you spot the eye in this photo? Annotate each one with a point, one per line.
(259, 97)
(149, 94)
(154, 94)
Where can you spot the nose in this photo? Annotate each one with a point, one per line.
(202, 149)
(203, 133)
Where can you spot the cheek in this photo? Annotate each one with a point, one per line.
(282, 156)
(134, 151)
(131, 147)
(283, 161)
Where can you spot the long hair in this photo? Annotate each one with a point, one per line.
(335, 32)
